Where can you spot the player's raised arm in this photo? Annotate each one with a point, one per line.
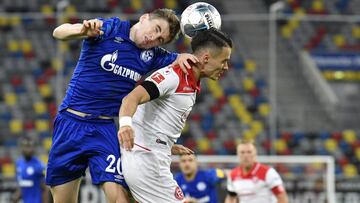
(89, 28)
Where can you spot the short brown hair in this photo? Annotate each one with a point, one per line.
(247, 141)
(170, 16)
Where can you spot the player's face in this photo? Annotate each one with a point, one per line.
(27, 149)
(188, 164)
(217, 64)
(153, 32)
(247, 154)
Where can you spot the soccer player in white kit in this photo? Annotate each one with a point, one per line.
(162, 104)
(253, 182)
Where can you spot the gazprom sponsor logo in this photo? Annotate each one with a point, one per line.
(108, 64)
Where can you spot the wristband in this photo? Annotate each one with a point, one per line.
(125, 121)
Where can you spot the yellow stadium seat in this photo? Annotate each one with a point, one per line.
(64, 46)
(215, 88)
(39, 107)
(356, 32)
(16, 126)
(10, 98)
(70, 10)
(250, 66)
(264, 109)
(349, 136)
(299, 11)
(13, 46)
(317, 166)
(318, 5)
(328, 75)
(339, 40)
(42, 125)
(47, 143)
(248, 84)
(8, 170)
(26, 46)
(203, 144)
(171, 4)
(56, 64)
(357, 153)
(186, 128)
(44, 158)
(350, 170)
(294, 23)
(247, 118)
(331, 145)
(280, 145)
(257, 126)
(286, 31)
(47, 9)
(136, 4)
(15, 20)
(45, 90)
(248, 135)
(3, 21)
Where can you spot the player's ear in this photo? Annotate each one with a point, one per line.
(144, 17)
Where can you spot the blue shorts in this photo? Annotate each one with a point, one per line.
(78, 144)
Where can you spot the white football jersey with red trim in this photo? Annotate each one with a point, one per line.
(163, 119)
(257, 186)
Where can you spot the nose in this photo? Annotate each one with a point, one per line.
(226, 66)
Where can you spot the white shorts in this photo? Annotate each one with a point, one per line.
(149, 177)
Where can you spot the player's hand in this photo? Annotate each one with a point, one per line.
(178, 149)
(126, 137)
(190, 200)
(91, 28)
(183, 61)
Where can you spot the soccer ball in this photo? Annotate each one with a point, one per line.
(199, 16)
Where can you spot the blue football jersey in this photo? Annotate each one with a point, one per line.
(30, 175)
(108, 68)
(203, 186)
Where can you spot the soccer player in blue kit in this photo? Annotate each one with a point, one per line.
(114, 56)
(199, 186)
(30, 175)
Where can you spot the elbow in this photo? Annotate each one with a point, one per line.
(56, 34)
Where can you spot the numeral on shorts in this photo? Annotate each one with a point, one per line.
(111, 168)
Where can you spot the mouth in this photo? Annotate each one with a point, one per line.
(146, 40)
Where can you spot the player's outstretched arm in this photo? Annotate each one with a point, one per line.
(178, 149)
(128, 108)
(89, 28)
(282, 198)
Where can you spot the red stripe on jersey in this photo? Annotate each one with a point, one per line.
(258, 170)
(187, 83)
(278, 189)
(142, 147)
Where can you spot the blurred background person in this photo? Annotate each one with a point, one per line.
(30, 175)
(253, 182)
(198, 186)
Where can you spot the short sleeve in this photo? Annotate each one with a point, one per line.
(273, 179)
(215, 175)
(110, 27)
(165, 79)
(163, 58)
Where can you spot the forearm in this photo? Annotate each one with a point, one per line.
(231, 199)
(130, 103)
(282, 198)
(69, 31)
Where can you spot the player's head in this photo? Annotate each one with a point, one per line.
(188, 164)
(156, 28)
(213, 49)
(27, 147)
(246, 152)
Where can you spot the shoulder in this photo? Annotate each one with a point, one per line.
(236, 172)
(262, 171)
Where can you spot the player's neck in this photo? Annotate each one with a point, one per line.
(247, 169)
(133, 31)
(190, 176)
(196, 72)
